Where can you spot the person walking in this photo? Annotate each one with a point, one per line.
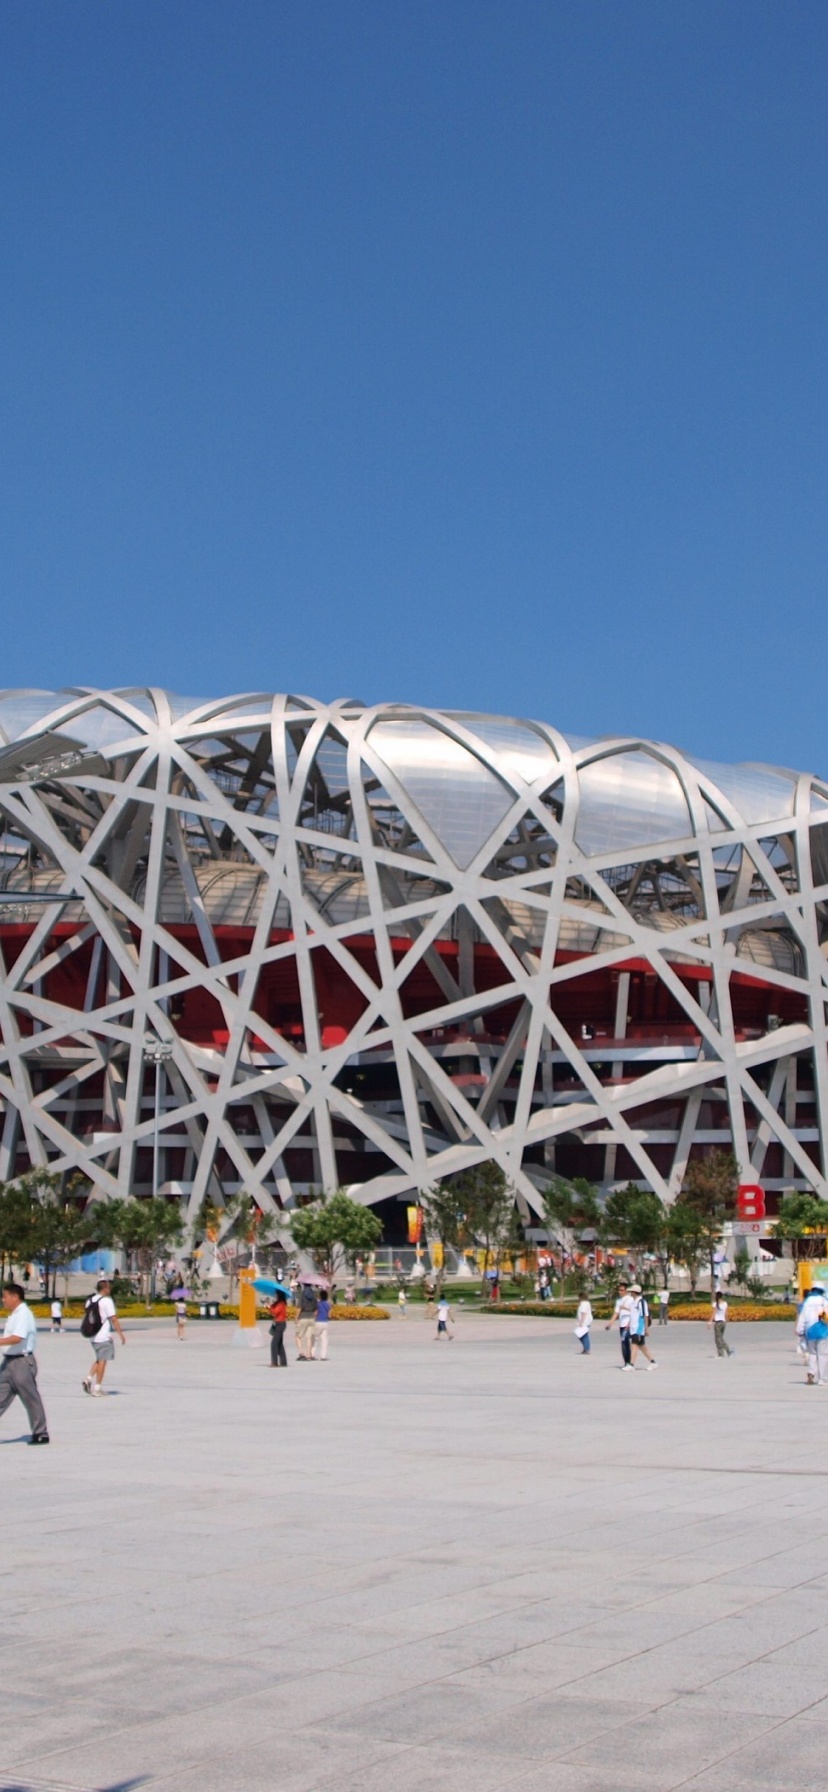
(320, 1329)
(56, 1311)
(663, 1306)
(305, 1322)
(402, 1302)
(99, 1321)
(18, 1371)
(444, 1326)
(622, 1317)
(278, 1321)
(180, 1319)
(640, 1326)
(583, 1321)
(812, 1331)
(718, 1320)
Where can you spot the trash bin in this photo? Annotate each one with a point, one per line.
(208, 1309)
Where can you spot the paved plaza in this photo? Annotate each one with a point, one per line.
(473, 1565)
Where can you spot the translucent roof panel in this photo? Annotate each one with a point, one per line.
(139, 698)
(184, 706)
(518, 748)
(22, 710)
(460, 799)
(577, 742)
(102, 728)
(629, 800)
(757, 792)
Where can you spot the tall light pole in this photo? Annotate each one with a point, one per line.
(157, 1052)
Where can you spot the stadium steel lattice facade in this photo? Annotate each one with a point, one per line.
(387, 943)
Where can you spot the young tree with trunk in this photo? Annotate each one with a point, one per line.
(489, 1200)
(687, 1239)
(570, 1208)
(710, 1188)
(47, 1220)
(444, 1216)
(144, 1228)
(334, 1230)
(802, 1221)
(638, 1218)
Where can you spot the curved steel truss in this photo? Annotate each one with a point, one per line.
(386, 943)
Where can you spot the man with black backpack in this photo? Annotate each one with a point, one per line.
(99, 1318)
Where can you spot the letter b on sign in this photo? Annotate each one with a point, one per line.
(750, 1201)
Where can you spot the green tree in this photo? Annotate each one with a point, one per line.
(145, 1228)
(44, 1219)
(64, 1221)
(638, 1218)
(334, 1230)
(488, 1201)
(570, 1208)
(16, 1226)
(710, 1188)
(444, 1214)
(744, 1275)
(687, 1239)
(513, 1245)
(802, 1221)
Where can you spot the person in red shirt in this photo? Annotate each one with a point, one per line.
(278, 1317)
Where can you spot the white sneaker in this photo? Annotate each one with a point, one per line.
(86, 1384)
(651, 1366)
(628, 1369)
(96, 1391)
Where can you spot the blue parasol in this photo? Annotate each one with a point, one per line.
(264, 1285)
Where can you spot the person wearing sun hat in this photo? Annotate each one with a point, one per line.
(812, 1331)
(640, 1325)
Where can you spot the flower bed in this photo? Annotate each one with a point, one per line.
(746, 1310)
(165, 1309)
(687, 1309)
(339, 1311)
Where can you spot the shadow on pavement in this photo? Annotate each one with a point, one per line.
(54, 1785)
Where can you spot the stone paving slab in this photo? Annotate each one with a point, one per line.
(490, 1563)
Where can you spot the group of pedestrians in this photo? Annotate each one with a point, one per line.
(18, 1370)
(631, 1314)
(313, 1312)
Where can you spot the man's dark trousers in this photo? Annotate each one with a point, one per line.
(18, 1377)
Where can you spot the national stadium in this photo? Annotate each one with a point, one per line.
(279, 945)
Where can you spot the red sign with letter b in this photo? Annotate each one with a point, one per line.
(750, 1201)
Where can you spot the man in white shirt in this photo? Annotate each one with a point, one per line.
(443, 1319)
(718, 1320)
(663, 1305)
(18, 1373)
(622, 1317)
(102, 1340)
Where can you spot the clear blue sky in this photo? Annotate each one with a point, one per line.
(452, 351)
